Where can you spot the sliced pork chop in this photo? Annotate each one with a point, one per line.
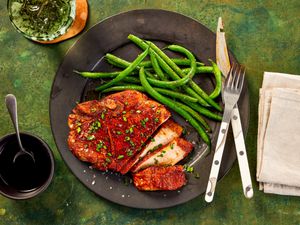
(166, 133)
(159, 178)
(169, 154)
(108, 132)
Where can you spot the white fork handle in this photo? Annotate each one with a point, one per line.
(215, 167)
(241, 152)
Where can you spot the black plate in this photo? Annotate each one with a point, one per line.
(68, 88)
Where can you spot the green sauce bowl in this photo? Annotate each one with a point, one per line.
(42, 20)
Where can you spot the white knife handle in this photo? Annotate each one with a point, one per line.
(241, 152)
(215, 167)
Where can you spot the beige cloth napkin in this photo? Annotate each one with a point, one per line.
(278, 143)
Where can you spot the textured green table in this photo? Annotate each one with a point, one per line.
(263, 35)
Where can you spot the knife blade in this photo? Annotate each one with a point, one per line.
(223, 63)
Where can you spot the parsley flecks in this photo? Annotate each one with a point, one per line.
(131, 130)
(138, 111)
(152, 139)
(156, 120)
(102, 115)
(172, 146)
(125, 118)
(78, 130)
(127, 138)
(90, 137)
(119, 132)
(129, 153)
(188, 169)
(107, 160)
(155, 161)
(124, 112)
(109, 154)
(120, 157)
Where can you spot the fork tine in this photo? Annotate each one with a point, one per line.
(237, 77)
(233, 82)
(241, 83)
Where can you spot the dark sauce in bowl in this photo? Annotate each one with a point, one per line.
(25, 176)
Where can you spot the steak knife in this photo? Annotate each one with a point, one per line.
(223, 63)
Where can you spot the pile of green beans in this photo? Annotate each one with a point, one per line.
(168, 80)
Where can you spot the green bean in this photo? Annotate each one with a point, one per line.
(169, 84)
(200, 69)
(190, 56)
(173, 106)
(204, 111)
(122, 63)
(95, 75)
(194, 114)
(170, 93)
(156, 66)
(125, 72)
(174, 76)
(218, 77)
(132, 80)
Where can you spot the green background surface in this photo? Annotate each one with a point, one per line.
(263, 35)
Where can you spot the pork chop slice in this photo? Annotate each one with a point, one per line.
(166, 133)
(169, 154)
(160, 178)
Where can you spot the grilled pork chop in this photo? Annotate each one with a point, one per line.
(169, 154)
(110, 131)
(157, 178)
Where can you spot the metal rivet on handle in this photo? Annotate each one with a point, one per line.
(216, 162)
(241, 153)
(223, 131)
(235, 117)
(209, 193)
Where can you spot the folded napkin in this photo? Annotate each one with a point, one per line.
(278, 142)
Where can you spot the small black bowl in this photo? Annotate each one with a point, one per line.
(25, 178)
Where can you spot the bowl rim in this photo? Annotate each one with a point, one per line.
(44, 186)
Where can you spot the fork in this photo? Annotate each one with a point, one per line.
(231, 93)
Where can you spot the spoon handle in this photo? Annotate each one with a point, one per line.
(11, 104)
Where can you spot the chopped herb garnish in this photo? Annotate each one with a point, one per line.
(172, 146)
(90, 137)
(131, 143)
(120, 157)
(99, 145)
(93, 110)
(127, 138)
(126, 131)
(119, 132)
(102, 115)
(124, 112)
(152, 139)
(188, 169)
(129, 153)
(161, 155)
(125, 118)
(131, 130)
(107, 160)
(138, 111)
(158, 112)
(126, 103)
(109, 154)
(78, 130)
(164, 151)
(144, 121)
(156, 120)
(155, 161)
(184, 131)
(104, 146)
